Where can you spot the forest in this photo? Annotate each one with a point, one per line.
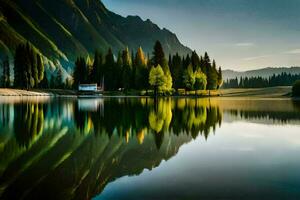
(283, 79)
(128, 70)
(135, 70)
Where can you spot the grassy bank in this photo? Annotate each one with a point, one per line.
(272, 92)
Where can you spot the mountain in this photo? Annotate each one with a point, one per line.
(264, 72)
(64, 29)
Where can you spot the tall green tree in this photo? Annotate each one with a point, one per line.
(212, 77)
(40, 68)
(195, 60)
(177, 70)
(220, 77)
(141, 71)
(44, 83)
(158, 55)
(6, 73)
(127, 71)
(156, 78)
(80, 72)
(97, 68)
(189, 78)
(110, 71)
(59, 83)
(200, 80)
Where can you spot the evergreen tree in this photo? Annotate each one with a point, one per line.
(212, 77)
(195, 60)
(141, 71)
(158, 55)
(59, 83)
(220, 77)
(80, 72)
(176, 68)
(44, 82)
(127, 71)
(52, 81)
(97, 72)
(206, 65)
(6, 73)
(40, 68)
(109, 71)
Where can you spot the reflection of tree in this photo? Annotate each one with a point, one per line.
(82, 120)
(129, 136)
(275, 116)
(28, 122)
(4, 115)
(195, 116)
(160, 118)
(138, 117)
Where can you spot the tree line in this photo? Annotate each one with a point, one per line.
(128, 70)
(283, 79)
(135, 70)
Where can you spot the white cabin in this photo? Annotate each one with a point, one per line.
(87, 87)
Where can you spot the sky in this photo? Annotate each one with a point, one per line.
(238, 34)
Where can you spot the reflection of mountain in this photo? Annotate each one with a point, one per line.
(70, 153)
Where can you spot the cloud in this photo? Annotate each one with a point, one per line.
(256, 57)
(244, 44)
(294, 51)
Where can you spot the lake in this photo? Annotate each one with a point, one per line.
(138, 148)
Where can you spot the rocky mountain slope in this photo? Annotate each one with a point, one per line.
(64, 29)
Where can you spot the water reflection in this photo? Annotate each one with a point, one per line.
(71, 149)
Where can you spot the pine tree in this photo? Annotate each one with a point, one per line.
(80, 72)
(127, 71)
(220, 78)
(158, 55)
(59, 83)
(44, 82)
(141, 71)
(40, 68)
(96, 71)
(195, 60)
(110, 71)
(6, 73)
(177, 71)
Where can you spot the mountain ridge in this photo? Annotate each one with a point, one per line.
(65, 29)
(262, 72)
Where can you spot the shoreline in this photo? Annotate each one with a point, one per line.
(270, 92)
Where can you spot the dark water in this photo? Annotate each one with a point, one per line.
(122, 148)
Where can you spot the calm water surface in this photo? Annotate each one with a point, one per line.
(135, 148)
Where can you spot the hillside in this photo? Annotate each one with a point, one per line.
(264, 72)
(64, 29)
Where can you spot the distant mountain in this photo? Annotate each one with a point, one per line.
(64, 29)
(264, 72)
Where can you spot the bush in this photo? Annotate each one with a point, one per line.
(296, 89)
